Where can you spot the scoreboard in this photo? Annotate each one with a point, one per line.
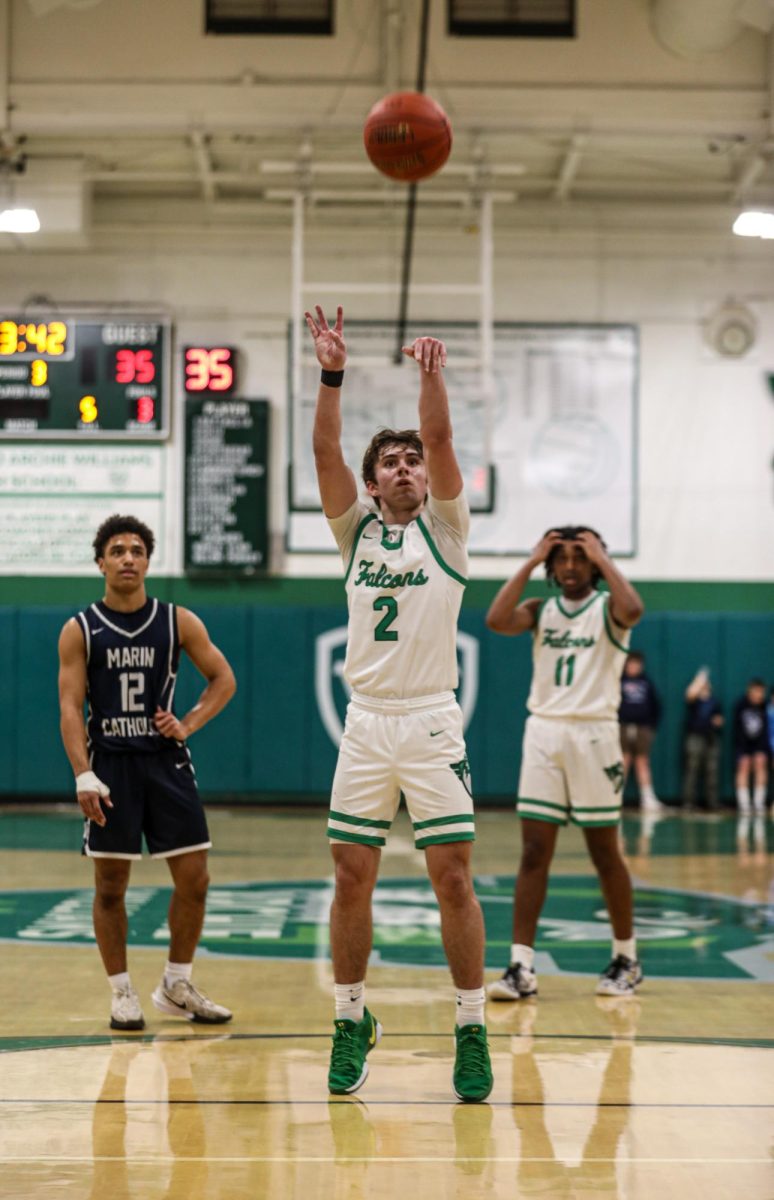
(84, 377)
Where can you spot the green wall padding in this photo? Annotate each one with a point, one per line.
(272, 740)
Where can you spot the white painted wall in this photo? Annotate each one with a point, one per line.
(706, 424)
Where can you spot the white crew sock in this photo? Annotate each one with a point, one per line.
(522, 954)
(743, 800)
(625, 946)
(759, 798)
(470, 1006)
(350, 1000)
(120, 981)
(175, 971)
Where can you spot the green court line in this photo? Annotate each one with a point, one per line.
(15, 1045)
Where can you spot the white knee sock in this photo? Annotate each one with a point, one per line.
(470, 1006)
(350, 1000)
(743, 799)
(759, 797)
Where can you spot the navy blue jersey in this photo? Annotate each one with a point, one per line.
(640, 702)
(750, 727)
(131, 664)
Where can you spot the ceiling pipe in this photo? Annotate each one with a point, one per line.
(570, 167)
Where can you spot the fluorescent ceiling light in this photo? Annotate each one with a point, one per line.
(755, 224)
(19, 220)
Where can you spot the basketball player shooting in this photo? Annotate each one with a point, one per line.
(405, 564)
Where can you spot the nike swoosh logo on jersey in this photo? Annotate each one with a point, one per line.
(437, 732)
(94, 632)
(179, 765)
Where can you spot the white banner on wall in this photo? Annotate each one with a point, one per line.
(53, 498)
(557, 437)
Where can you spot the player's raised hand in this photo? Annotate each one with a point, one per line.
(329, 344)
(592, 547)
(429, 352)
(545, 546)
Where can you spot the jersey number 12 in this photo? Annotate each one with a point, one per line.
(132, 689)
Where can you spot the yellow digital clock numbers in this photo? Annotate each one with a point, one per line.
(48, 338)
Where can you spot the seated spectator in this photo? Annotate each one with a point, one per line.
(751, 744)
(639, 716)
(703, 725)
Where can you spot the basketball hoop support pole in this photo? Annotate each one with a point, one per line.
(411, 209)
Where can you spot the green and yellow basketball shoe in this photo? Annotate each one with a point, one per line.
(472, 1076)
(352, 1041)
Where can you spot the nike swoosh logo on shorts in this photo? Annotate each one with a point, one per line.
(179, 765)
(437, 732)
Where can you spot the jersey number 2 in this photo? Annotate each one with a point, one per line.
(132, 688)
(383, 633)
(566, 665)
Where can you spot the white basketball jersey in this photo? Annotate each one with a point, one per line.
(404, 591)
(578, 659)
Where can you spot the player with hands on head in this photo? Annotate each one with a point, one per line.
(405, 562)
(133, 770)
(571, 762)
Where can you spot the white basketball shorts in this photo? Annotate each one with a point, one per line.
(411, 746)
(571, 771)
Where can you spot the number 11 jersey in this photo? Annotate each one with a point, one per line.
(578, 658)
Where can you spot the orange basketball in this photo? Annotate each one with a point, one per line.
(407, 136)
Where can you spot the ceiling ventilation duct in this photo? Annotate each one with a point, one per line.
(691, 28)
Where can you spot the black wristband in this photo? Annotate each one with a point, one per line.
(331, 378)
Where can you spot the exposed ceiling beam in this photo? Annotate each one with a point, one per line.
(609, 186)
(118, 109)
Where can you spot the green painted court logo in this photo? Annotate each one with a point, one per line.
(680, 934)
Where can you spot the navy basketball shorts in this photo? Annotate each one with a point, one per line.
(746, 747)
(154, 795)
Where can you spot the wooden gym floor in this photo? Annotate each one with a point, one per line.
(669, 1093)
